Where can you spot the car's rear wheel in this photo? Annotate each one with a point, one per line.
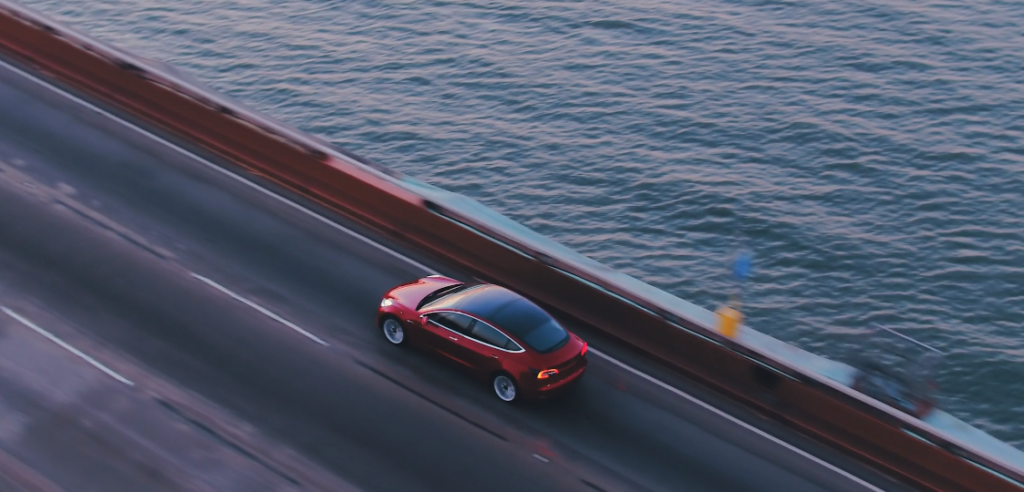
(505, 387)
(393, 330)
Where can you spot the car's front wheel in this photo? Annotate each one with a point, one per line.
(505, 387)
(393, 330)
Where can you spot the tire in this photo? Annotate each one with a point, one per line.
(393, 330)
(505, 387)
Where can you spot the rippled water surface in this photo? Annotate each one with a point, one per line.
(871, 152)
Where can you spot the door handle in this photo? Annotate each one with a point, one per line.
(453, 338)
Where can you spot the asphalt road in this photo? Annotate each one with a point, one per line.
(258, 315)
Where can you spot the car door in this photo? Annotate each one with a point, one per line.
(489, 347)
(446, 332)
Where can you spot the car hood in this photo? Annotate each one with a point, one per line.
(409, 295)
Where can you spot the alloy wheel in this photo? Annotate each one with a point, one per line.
(393, 331)
(504, 387)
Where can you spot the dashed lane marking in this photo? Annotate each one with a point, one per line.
(66, 346)
(259, 308)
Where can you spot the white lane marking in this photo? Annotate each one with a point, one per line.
(219, 169)
(737, 421)
(540, 458)
(66, 346)
(259, 308)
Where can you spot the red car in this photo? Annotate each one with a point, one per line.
(498, 335)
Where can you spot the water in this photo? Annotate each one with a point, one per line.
(870, 153)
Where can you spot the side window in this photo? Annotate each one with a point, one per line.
(453, 321)
(513, 346)
(487, 334)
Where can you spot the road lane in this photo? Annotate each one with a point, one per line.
(238, 357)
(66, 426)
(388, 420)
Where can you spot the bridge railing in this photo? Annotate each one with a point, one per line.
(753, 369)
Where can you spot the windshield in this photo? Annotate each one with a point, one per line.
(441, 293)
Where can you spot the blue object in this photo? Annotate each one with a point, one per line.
(743, 266)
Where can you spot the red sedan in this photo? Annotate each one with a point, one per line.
(498, 335)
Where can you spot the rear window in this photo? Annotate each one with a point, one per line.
(530, 324)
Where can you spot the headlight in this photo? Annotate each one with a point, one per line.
(386, 302)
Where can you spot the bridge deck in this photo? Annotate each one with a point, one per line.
(106, 231)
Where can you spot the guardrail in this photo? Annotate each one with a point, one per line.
(461, 232)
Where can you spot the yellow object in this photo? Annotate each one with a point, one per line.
(729, 321)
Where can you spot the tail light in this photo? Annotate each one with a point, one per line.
(546, 373)
(584, 351)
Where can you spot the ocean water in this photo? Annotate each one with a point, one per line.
(870, 153)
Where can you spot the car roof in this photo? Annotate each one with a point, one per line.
(496, 304)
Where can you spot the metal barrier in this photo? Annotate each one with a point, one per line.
(455, 230)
